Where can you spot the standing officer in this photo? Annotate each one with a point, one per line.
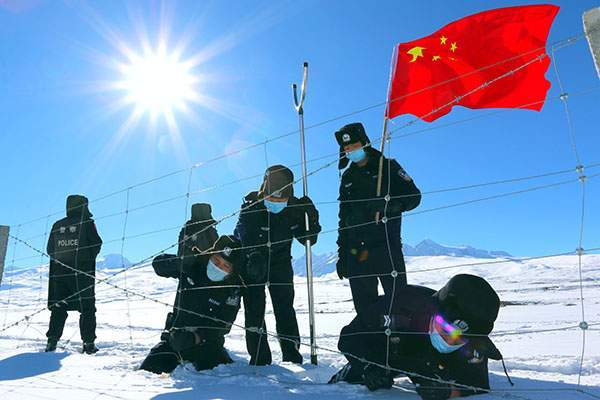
(438, 339)
(367, 247)
(209, 296)
(269, 221)
(73, 246)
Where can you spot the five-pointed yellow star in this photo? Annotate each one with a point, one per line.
(443, 39)
(416, 52)
(453, 47)
(435, 58)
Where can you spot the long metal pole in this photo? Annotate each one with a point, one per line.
(4, 230)
(299, 105)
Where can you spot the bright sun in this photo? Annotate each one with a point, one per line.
(158, 83)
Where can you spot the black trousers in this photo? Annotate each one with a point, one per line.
(87, 323)
(163, 358)
(281, 289)
(369, 262)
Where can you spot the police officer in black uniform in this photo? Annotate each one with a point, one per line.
(369, 239)
(73, 246)
(208, 300)
(269, 221)
(438, 339)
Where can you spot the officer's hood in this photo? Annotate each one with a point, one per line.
(77, 206)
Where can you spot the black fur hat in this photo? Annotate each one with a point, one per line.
(228, 247)
(470, 298)
(78, 204)
(277, 182)
(348, 134)
(201, 212)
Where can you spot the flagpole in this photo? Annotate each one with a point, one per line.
(299, 105)
(384, 133)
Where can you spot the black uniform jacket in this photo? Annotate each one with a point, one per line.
(206, 306)
(257, 227)
(359, 204)
(73, 241)
(410, 347)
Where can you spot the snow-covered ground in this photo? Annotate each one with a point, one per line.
(539, 294)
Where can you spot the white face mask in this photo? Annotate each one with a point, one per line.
(215, 273)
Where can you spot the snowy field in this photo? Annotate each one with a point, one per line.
(538, 295)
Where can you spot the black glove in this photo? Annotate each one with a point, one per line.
(201, 236)
(390, 209)
(341, 267)
(309, 208)
(166, 265)
(181, 339)
(433, 390)
(256, 268)
(377, 378)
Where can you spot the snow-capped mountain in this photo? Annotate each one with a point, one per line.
(430, 248)
(112, 261)
(325, 263)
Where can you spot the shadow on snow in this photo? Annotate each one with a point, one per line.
(27, 365)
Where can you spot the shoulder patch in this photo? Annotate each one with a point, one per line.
(233, 300)
(403, 174)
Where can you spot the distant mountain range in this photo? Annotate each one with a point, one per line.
(325, 263)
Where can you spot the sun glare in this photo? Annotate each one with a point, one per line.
(158, 83)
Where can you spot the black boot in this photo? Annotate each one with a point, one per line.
(290, 351)
(293, 356)
(350, 374)
(51, 345)
(89, 348)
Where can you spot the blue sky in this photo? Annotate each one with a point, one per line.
(62, 133)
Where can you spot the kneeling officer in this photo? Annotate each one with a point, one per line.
(438, 339)
(207, 301)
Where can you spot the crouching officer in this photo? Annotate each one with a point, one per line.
(209, 296)
(438, 339)
(269, 221)
(369, 246)
(73, 246)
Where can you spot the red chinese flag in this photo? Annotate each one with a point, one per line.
(449, 67)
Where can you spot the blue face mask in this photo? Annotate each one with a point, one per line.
(275, 207)
(357, 155)
(438, 342)
(215, 273)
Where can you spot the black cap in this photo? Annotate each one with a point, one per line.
(348, 134)
(471, 299)
(228, 247)
(277, 182)
(76, 205)
(201, 212)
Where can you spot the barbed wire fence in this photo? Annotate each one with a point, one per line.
(133, 295)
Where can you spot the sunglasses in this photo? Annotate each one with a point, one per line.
(449, 328)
